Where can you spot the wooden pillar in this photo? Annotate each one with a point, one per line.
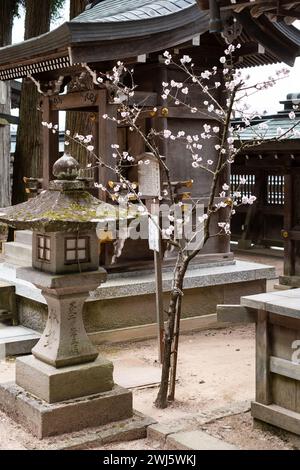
(107, 135)
(263, 392)
(289, 245)
(50, 141)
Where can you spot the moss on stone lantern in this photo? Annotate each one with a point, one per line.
(63, 220)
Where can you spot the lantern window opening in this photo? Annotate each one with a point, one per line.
(44, 248)
(77, 250)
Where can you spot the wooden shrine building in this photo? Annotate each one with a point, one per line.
(138, 32)
(272, 173)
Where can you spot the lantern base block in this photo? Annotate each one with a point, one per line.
(43, 419)
(55, 385)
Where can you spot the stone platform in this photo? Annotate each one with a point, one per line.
(16, 340)
(124, 307)
(43, 419)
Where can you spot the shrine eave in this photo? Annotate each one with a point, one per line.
(82, 41)
(76, 42)
(282, 39)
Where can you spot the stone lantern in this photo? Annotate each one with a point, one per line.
(64, 365)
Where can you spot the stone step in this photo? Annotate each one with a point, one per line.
(23, 236)
(16, 340)
(18, 253)
(196, 440)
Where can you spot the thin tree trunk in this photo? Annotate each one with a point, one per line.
(174, 353)
(162, 397)
(7, 10)
(28, 155)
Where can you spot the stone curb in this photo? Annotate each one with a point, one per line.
(171, 434)
(121, 431)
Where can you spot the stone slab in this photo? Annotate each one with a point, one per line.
(17, 253)
(55, 385)
(17, 340)
(285, 303)
(144, 283)
(196, 440)
(44, 420)
(147, 331)
(85, 281)
(24, 236)
(120, 431)
(141, 283)
(133, 372)
(160, 431)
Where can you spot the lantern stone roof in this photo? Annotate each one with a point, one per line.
(118, 29)
(66, 206)
(56, 210)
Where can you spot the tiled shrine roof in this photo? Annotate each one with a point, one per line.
(118, 29)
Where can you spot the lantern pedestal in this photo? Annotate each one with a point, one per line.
(64, 386)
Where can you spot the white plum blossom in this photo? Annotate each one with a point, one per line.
(186, 59)
(225, 226)
(185, 90)
(248, 200)
(181, 134)
(206, 75)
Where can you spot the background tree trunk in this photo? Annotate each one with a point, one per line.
(28, 155)
(7, 11)
(78, 121)
(77, 7)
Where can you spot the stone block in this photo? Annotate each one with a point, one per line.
(43, 419)
(24, 237)
(196, 440)
(17, 253)
(160, 431)
(55, 385)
